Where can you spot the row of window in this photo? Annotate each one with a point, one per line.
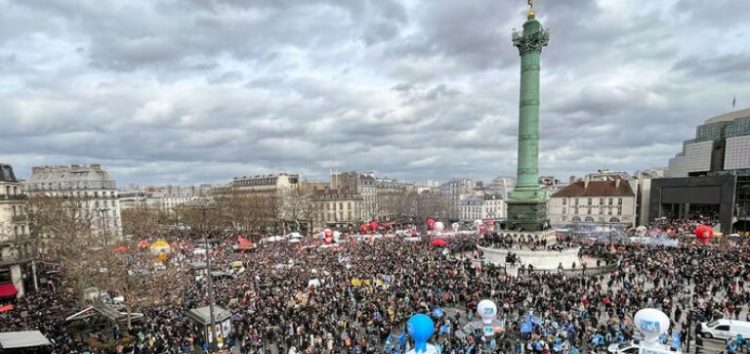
(590, 201)
(86, 194)
(589, 219)
(71, 185)
(11, 190)
(335, 216)
(332, 206)
(588, 210)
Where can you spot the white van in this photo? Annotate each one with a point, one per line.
(725, 329)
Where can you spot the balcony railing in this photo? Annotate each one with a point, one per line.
(19, 218)
(13, 197)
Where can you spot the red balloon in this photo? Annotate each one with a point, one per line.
(439, 242)
(373, 226)
(363, 229)
(430, 223)
(703, 233)
(328, 233)
(328, 240)
(483, 229)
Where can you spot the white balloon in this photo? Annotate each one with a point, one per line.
(652, 323)
(439, 226)
(487, 310)
(478, 222)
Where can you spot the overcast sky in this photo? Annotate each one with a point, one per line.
(199, 91)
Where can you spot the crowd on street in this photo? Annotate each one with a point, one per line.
(366, 290)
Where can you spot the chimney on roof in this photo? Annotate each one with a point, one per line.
(586, 182)
(617, 183)
(572, 179)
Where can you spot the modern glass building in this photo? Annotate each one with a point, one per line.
(721, 143)
(711, 175)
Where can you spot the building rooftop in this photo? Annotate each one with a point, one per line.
(610, 188)
(6, 174)
(71, 173)
(731, 116)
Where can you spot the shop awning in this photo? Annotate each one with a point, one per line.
(8, 290)
(24, 339)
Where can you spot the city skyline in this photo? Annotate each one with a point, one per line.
(191, 93)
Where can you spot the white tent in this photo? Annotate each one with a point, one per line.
(294, 235)
(23, 339)
(272, 239)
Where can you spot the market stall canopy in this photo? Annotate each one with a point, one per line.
(198, 265)
(111, 312)
(22, 339)
(8, 290)
(202, 315)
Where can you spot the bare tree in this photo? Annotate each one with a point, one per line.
(64, 227)
(142, 222)
(423, 205)
(239, 210)
(297, 205)
(134, 274)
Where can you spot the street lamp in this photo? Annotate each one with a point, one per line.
(203, 207)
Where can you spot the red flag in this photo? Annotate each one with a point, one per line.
(243, 243)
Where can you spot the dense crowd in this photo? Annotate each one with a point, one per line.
(368, 289)
(526, 243)
(678, 226)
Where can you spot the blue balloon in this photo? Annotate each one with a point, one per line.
(421, 328)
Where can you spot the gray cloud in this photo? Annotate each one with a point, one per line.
(731, 67)
(201, 91)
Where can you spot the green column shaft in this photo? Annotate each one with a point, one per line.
(528, 122)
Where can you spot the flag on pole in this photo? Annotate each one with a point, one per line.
(734, 101)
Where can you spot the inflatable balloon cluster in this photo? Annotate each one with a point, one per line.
(161, 250)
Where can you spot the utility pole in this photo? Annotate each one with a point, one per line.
(214, 338)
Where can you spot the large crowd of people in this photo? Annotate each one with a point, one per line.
(366, 290)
